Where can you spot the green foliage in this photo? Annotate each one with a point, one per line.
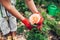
(20, 29)
(49, 23)
(35, 34)
(37, 2)
(20, 5)
(27, 14)
(57, 17)
(58, 31)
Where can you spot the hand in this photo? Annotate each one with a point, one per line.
(39, 27)
(40, 21)
(36, 18)
(40, 24)
(27, 23)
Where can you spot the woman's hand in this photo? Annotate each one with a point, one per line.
(40, 24)
(36, 18)
(27, 23)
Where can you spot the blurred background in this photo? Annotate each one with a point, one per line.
(50, 10)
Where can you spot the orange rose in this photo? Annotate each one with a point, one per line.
(34, 18)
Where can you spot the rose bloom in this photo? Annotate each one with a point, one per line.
(34, 18)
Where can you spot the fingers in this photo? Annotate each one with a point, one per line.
(40, 24)
(39, 27)
(41, 21)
